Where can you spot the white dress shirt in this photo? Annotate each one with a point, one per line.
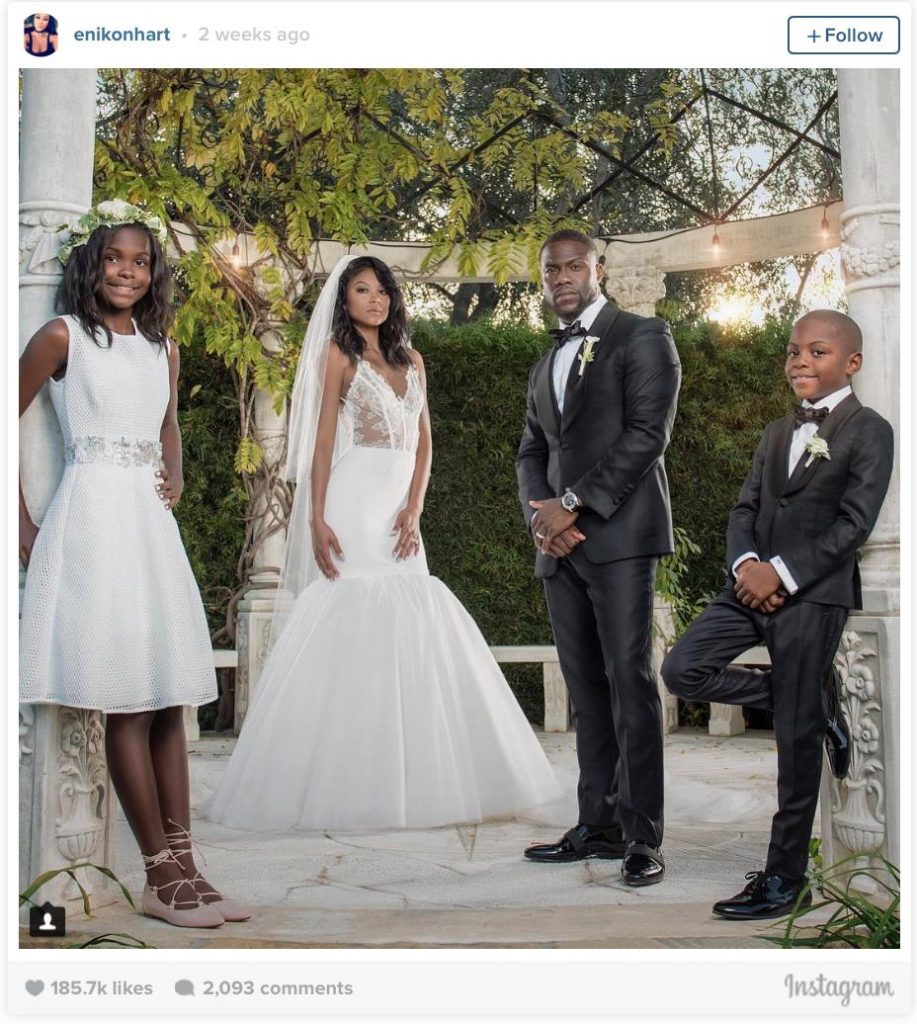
(801, 434)
(563, 361)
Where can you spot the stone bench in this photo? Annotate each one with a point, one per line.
(222, 658)
(556, 700)
(727, 719)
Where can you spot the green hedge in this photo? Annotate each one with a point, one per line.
(211, 512)
(473, 529)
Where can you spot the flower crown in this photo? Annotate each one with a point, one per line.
(109, 214)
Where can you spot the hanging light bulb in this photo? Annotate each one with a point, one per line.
(234, 258)
(716, 242)
(825, 224)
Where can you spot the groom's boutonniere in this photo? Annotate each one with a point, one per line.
(588, 353)
(817, 447)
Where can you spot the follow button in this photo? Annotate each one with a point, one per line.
(841, 34)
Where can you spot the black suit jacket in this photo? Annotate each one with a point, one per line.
(608, 446)
(816, 518)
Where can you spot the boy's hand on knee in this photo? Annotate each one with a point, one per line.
(756, 583)
(772, 603)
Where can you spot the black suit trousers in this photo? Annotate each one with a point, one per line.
(802, 638)
(602, 618)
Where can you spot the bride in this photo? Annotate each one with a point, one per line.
(380, 705)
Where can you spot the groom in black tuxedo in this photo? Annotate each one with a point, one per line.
(594, 493)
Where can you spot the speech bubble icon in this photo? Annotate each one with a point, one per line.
(35, 988)
(184, 987)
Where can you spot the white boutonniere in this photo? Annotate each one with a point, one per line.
(817, 447)
(588, 353)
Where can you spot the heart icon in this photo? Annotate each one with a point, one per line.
(35, 988)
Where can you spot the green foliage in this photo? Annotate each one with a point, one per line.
(673, 580)
(211, 514)
(70, 870)
(732, 385)
(116, 940)
(119, 939)
(473, 528)
(858, 920)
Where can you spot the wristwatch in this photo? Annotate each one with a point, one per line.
(569, 501)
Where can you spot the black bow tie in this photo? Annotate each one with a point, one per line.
(802, 414)
(562, 335)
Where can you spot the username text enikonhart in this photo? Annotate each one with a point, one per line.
(103, 34)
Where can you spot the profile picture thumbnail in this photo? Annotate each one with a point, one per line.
(40, 35)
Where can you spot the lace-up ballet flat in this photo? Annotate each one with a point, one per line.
(181, 844)
(198, 915)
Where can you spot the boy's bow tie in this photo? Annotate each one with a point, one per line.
(802, 414)
(562, 335)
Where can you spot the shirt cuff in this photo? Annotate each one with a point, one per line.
(786, 577)
(744, 558)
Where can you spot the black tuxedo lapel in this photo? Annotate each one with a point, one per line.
(827, 430)
(780, 458)
(544, 393)
(577, 383)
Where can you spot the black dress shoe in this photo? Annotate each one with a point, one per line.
(643, 864)
(837, 733)
(764, 896)
(579, 843)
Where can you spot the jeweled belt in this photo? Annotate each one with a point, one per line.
(121, 451)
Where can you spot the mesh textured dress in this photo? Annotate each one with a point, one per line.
(112, 618)
(380, 705)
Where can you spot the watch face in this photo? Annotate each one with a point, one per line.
(569, 501)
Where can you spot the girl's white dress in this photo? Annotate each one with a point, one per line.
(111, 617)
(380, 705)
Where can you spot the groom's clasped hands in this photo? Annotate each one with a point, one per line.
(553, 529)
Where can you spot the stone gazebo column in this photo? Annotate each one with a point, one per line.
(253, 625)
(65, 801)
(862, 814)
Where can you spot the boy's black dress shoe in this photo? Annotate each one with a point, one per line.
(764, 896)
(837, 734)
(579, 843)
(643, 864)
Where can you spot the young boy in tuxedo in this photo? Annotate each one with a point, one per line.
(810, 501)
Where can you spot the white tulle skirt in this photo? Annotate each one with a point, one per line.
(380, 705)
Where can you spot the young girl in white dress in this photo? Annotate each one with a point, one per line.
(112, 618)
(380, 705)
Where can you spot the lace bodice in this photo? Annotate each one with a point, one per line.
(373, 416)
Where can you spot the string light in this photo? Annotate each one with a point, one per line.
(716, 242)
(825, 224)
(234, 257)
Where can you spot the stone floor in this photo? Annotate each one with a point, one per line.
(468, 886)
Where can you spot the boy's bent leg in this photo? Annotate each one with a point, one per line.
(802, 638)
(698, 666)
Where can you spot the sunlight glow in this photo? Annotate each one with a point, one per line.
(732, 308)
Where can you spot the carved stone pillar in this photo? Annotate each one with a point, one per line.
(65, 803)
(862, 813)
(253, 625)
(636, 287)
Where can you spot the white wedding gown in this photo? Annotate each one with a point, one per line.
(380, 705)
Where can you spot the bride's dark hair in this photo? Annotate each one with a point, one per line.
(393, 334)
